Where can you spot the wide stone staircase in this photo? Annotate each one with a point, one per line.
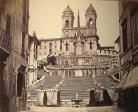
(73, 87)
(81, 86)
(106, 81)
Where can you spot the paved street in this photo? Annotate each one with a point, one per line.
(72, 109)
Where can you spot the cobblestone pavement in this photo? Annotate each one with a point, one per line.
(73, 109)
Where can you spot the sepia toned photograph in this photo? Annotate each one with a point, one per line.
(68, 55)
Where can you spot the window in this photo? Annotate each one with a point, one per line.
(90, 22)
(90, 45)
(66, 73)
(23, 42)
(66, 46)
(55, 44)
(8, 24)
(50, 45)
(67, 23)
(50, 48)
(61, 45)
(50, 51)
(124, 35)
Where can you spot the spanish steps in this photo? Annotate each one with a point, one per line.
(69, 87)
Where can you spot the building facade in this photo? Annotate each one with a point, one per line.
(66, 44)
(128, 44)
(14, 15)
(75, 64)
(79, 50)
(32, 58)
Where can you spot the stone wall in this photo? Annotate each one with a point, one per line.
(11, 19)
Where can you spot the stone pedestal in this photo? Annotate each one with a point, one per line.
(40, 97)
(78, 73)
(52, 97)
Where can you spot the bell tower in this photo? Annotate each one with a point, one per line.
(67, 21)
(91, 20)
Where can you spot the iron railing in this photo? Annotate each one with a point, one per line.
(5, 41)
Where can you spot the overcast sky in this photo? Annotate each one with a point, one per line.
(46, 17)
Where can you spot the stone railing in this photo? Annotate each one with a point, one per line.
(78, 67)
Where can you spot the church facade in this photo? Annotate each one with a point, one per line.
(79, 51)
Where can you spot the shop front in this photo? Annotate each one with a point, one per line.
(128, 91)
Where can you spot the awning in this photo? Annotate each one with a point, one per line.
(122, 81)
(132, 79)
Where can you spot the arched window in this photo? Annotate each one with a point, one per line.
(90, 22)
(61, 45)
(90, 45)
(67, 23)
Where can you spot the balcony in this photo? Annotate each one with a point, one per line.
(5, 44)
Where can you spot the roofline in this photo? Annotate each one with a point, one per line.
(62, 38)
(74, 28)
